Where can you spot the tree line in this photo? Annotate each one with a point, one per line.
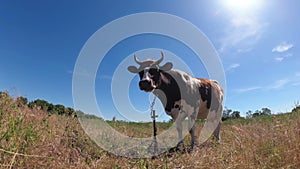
(234, 114)
(51, 108)
(68, 111)
(43, 105)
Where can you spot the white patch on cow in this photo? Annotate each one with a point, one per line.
(186, 108)
(147, 76)
(183, 109)
(187, 83)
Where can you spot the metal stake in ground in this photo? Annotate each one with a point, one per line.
(154, 116)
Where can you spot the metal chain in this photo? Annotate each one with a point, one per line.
(153, 103)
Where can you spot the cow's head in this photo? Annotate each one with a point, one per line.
(151, 73)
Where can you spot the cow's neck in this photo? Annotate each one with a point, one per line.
(168, 92)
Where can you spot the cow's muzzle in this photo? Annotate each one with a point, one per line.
(146, 85)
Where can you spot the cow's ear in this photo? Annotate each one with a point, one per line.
(166, 67)
(132, 69)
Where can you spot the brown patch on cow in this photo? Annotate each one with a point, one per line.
(211, 93)
(203, 110)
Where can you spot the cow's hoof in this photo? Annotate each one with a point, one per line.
(193, 143)
(192, 147)
(217, 140)
(180, 146)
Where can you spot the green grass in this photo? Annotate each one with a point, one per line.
(30, 138)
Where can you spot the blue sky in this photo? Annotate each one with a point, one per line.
(258, 45)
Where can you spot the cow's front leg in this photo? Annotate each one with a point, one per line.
(192, 127)
(179, 131)
(181, 116)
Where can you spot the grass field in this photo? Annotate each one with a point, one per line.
(30, 138)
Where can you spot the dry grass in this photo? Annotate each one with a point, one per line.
(32, 139)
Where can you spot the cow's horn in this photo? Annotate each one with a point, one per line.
(160, 60)
(137, 61)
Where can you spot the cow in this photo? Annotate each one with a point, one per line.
(182, 95)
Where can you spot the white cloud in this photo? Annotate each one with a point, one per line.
(233, 66)
(282, 47)
(242, 33)
(279, 84)
(281, 58)
(244, 50)
(243, 90)
(292, 80)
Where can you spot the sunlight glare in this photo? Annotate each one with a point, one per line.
(242, 6)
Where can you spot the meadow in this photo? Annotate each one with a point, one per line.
(33, 138)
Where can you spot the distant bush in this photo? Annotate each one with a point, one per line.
(41, 104)
(262, 112)
(3, 95)
(52, 109)
(229, 114)
(22, 101)
(296, 109)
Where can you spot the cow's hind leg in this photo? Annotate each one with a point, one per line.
(217, 132)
